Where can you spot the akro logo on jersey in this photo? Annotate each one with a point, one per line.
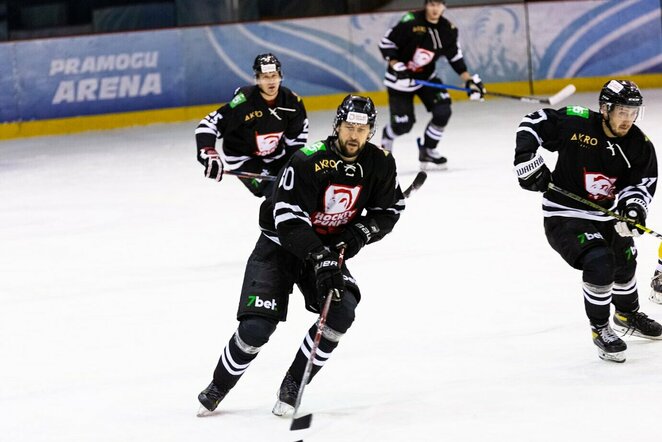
(256, 301)
(599, 186)
(584, 140)
(267, 143)
(254, 114)
(583, 237)
(326, 164)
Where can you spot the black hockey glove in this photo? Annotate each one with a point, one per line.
(532, 173)
(477, 87)
(209, 158)
(400, 70)
(328, 277)
(635, 209)
(355, 236)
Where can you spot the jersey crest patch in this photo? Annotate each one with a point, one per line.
(599, 186)
(421, 58)
(577, 111)
(267, 143)
(339, 208)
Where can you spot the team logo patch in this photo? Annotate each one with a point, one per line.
(599, 186)
(421, 58)
(267, 143)
(339, 208)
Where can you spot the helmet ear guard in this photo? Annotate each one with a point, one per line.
(358, 110)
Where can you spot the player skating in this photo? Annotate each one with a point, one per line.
(260, 127)
(338, 192)
(605, 158)
(412, 48)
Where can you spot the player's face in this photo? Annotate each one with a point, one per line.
(269, 84)
(621, 118)
(352, 137)
(434, 11)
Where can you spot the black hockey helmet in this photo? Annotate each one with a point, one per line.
(265, 63)
(623, 92)
(356, 109)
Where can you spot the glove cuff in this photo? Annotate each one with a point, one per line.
(476, 78)
(639, 202)
(526, 169)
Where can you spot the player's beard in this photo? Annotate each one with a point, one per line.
(345, 146)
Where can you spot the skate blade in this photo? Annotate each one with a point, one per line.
(612, 357)
(431, 167)
(282, 409)
(624, 331)
(655, 297)
(203, 412)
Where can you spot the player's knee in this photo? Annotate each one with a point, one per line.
(255, 331)
(598, 267)
(341, 315)
(441, 113)
(401, 124)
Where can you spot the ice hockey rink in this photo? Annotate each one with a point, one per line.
(120, 270)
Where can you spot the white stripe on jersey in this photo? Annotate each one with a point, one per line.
(532, 132)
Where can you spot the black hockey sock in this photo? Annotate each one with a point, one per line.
(321, 356)
(233, 363)
(432, 136)
(625, 296)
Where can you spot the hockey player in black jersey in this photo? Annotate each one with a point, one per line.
(605, 158)
(261, 127)
(338, 192)
(412, 48)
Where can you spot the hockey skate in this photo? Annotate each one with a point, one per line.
(610, 346)
(656, 288)
(430, 159)
(210, 397)
(287, 396)
(637, 324)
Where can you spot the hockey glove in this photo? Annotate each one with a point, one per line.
(635, 209)
(477, 87)
(400, 70)
(212, 162)
(532, 173)
(355, 236)
(329, 280)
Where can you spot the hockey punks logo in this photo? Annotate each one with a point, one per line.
(599, 186)
(267, 143)
(339, 208)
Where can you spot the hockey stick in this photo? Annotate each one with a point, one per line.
(419, 179)
(249, 175)
(632, 222)
(553, 100)
(300, 423)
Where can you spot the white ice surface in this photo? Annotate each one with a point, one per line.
(120, 268)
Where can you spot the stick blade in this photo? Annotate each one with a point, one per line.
(302, 422)
(562, 94)
(419, 179)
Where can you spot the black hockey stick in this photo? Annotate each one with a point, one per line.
(249, 175)
(299, 423)
(553, 100)
(632, 222)
(419, 179)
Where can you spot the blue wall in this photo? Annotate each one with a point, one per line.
(94, 75)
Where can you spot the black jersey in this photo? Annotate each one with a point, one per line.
(319, 195)
(589, 164)
(255, 133)
(419, 44)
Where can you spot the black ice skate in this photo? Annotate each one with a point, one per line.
(430, 159)
(610, 346)
(656, 288)
(637, 324)
(210, 397)
(287, 396)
